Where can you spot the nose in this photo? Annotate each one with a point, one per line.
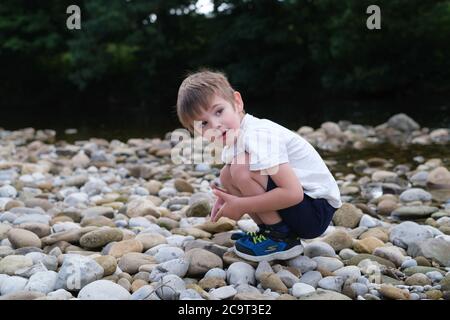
(215, 124)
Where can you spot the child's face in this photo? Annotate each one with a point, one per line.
(221, 122)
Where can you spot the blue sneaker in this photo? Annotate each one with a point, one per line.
(268, 246)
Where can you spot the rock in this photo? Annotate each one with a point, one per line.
(408, 263)
(445, 283)
(272, 281)
(391, 253)
(10, 264)
(145, 292)
(415, 194)
(142, 207)
(347, 216)
(312, 278)
(357, 259)
(49, 262)
(101, 237)
(42, 282)
(98, 221)
(76, 198)
(216, 273)
(318, 248)
(240, 273)
(199, 209)
(332, 283)
(22, 295)
(77, 271)
(222, 225)
(177, 267)
(303, 263)
(206, 245)
(4, 229)
(302, 289)
(412, 270)
(347, 254)
(338, 240)
(108, 263)
(20, 238)
(439, 178)
(378, 233)
(71, 236)
(118, 249)
(391, 292)
(383, 176)
(167, 192)
(407, 233)
(367, 245)
(223, 292)
(211, 282)
(60, 294)
(12, 285)
(252, 296)
(263, 267)
(150, 240)
(130, 262)
(413, 212)
(288, 278)
(349, 272)
(328, 264)
(183, 186)
(103, 290)
(8, 192)
(437, 249)
(385, 207)
(168, 253)
(39, 229)
(403, 123)
(434, 294)
(201, 261)
(418, 279)
(368, 222)
(171, 286)
(422, 261)
(321, 294)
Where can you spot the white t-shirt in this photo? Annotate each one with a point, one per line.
(270, 144)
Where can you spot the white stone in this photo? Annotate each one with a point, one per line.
(13, 284)
(42, 282)
(223, 292)
(302, 289)
(103, 290)
(240, 272)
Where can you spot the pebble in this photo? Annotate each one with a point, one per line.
(103, 290)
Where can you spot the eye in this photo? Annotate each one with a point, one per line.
(219, 112)
(204, 123)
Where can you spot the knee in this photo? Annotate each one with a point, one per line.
(240, 173)
(225, 175)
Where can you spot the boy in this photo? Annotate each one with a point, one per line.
(270, 172)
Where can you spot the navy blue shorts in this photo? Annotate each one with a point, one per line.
(309, 218)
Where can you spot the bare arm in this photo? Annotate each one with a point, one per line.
(288, 193)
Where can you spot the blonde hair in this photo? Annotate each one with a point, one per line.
(196, 93)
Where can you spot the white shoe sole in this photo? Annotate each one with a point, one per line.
(282, 255)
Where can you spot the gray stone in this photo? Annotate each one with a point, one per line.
(403, 123)
(351, 272)
(177, 267)
(77, 271)
(302, 289)
(415, 194)
(42, 282)
(263, 267)
(170, 287)
(409, 232)
(368, 222)
(8, 192)
(13, 284)
(321, 294)
(38, 218)
(146, 292)
(413, 212)
(168, 253)
(288, 278)
(319, 248)
(240, 272)
(103, 290)
(216, 273)
(312, 278)
(223, 292)
(437, 249)
(60, 294)
(327, 263)
(333, 283)
(303, 263)
(10, 264)
(391, 253)
(409, 263)
(50, 262)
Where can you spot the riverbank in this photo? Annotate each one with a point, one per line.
(99, 219)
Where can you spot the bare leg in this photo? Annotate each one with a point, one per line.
(251, 183)
(226, 180)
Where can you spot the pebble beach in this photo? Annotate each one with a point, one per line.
(118, 220)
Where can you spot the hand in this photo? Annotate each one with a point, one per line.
(217, 206)
(231, 206)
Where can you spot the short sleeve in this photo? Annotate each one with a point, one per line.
(266, 148)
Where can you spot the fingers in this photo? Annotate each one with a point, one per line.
(217, 215)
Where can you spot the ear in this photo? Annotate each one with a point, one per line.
(238, 101)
